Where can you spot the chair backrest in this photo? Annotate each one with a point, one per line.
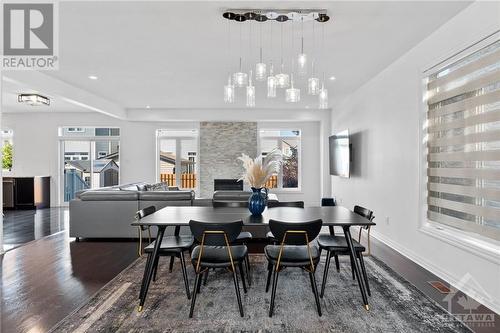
(230, 229)
(298, 204)
(328, 202)
(295, 231)
(145, 212)
(364, 212)
(234, 204)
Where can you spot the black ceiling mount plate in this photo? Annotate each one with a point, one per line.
(282, 18)
(261, 18)
(240, 18)
(323, 18)
(278, 15)
(229, 15)
(250, 15)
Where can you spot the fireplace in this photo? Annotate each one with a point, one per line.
(228, 185)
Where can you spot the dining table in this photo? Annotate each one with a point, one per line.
(179, 216)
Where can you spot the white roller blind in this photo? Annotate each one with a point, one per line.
(463, 143)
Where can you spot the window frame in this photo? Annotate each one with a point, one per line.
(61, 138)
(162, 133)
(484, 247)
(280, 188)
(8, 134)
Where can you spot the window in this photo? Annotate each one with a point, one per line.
(91, 158)
(177, 157)
(288, 141)
(7, 150)
(75, 129)
(463, 143)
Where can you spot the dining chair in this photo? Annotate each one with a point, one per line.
(328, 202)
(337, 245)
(216, 251)
(138, 216)
(275, 204)
(171, 246)
(243, 238)
(295, 250)
(369, 215)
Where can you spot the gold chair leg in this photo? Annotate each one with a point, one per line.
(369, 247)
(139, 248)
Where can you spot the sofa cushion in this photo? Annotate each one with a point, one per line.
(128, 187)
(96, 195)
(157, 187)
(165, 195)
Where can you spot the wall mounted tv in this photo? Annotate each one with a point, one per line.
(340, 154)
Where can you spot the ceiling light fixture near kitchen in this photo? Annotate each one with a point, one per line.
(92, 77)
(33, 99)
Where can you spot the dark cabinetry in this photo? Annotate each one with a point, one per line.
(26, 192)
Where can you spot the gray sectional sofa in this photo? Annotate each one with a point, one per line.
(107, 212)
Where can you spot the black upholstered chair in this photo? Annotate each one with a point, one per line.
(215, 251)
(139, 215)
(325, 202)
(337, 245)
(274, 204)
(171, 246)
(295, 250)
(243, 238)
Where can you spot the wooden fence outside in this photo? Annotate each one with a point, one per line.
(188, 180)
(272, 182)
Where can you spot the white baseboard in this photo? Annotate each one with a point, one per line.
(478, 294)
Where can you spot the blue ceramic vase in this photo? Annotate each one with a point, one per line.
(257, 201)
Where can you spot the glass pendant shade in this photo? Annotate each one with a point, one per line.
(240, 79)
(250, 92)
(283, 80)
(313, 86)
(271, 83)
(302, 64)
(292, 95)
(250, 96)
(323, 98)
(260, 71)
(229, 92)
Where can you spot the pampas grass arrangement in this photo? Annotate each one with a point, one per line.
(259, 170)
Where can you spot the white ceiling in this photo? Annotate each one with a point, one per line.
(174, 54)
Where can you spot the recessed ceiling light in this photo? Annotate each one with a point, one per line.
(332, 78)
(93, 77)
(148, 107)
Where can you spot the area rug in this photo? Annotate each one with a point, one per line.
(396, 305)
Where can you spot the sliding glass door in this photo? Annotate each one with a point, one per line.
(90, 159)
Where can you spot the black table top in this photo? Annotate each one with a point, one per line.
(180, 216)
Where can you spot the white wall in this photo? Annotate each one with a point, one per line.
(36, 149)
(383, 117)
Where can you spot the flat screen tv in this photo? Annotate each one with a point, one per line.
(340, 154)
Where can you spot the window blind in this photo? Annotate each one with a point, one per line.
(463, 143)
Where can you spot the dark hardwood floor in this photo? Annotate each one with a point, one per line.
(476, 316)
(46, 279)
(23, 226)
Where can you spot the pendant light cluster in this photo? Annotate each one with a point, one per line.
(277, 77)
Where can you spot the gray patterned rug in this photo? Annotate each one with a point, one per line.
(396, 306)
